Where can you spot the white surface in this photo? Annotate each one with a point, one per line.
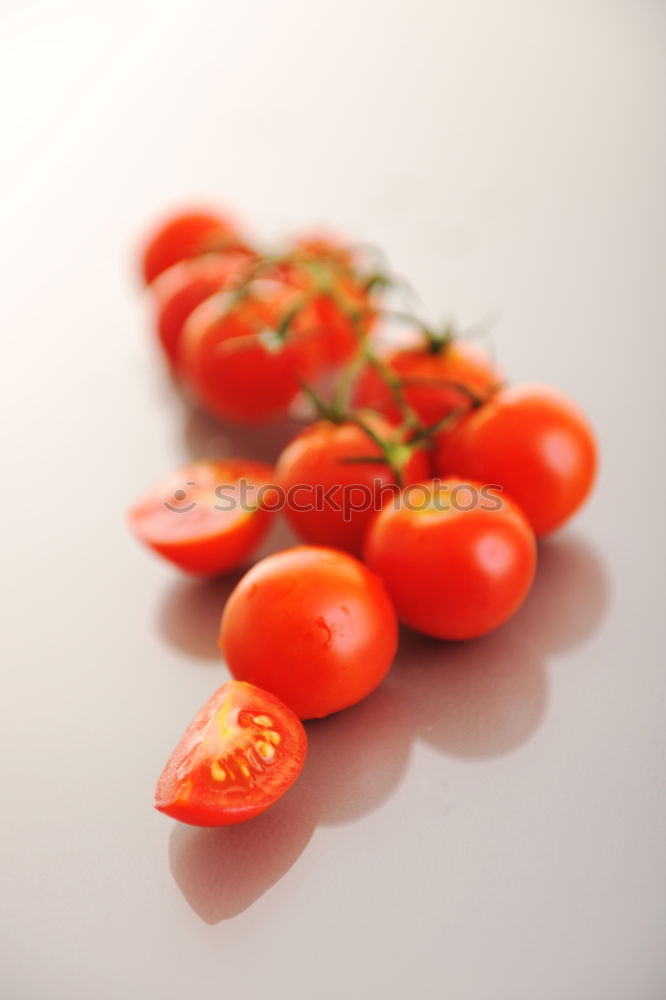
(491, 825)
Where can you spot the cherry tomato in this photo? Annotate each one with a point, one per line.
(336, 305)
(235, 360)
(457, 559)
(535, 443)
(181, 288)
(331, 498)
(428, 378)
(186, 235)
(205, 518)
(312, 625)
(238, 756)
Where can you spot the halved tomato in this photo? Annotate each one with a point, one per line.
(207, 517)
(238, 756)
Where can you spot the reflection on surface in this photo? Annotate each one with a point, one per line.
(222, 871)
(190, 616)
(206, 437)
(476, 699)
(358, 757)
(569, 596)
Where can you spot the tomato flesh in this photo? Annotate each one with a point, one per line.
(205, 517)
(238, 756)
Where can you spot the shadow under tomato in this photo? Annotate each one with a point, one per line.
(357, 757)
(222, 871)
(355, 760)
(481, 698)
(206, 437)
(476, 700)
(569, 597)
(189, 617)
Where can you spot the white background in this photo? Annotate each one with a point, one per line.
(490, 825)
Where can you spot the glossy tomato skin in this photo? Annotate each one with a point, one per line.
(453, 573)
(336, 306)
(317, 471)
(427, 380)
(180, 518)
(534, 442)
(184, 286)
(186, 234)
(238, 756)
(237, 375)
(314, 626)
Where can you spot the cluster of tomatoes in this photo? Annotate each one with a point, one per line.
(420, 490)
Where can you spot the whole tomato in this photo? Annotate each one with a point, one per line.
(312, 625)
(532, 441)
(434, 377)
(243, 356)
(457, 559)
(182, 287)
(337, 476)
(187, 234)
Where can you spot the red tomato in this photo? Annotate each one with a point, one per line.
(234, 360)
(336, 306)
(428, 380)
(535, 443)
(238, 756)
(312, 625)
(331, 499)
(205, 517)
(322, 245)
(185, 235)
(457, 560)
(181, 288)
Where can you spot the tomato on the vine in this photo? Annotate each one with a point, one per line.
(187, 234)
(337, 475)
(535, 443)
(434, 377)
(238, 756)
(314, 626)
(243, 356)
(457, 558)
(182, 287)
(207, 517)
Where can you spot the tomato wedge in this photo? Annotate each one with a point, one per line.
(238, 756)
(207, 517)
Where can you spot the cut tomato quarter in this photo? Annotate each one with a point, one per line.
(238, 756)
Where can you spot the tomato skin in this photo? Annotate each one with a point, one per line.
(232, 372)
(184, 286)
(204, 541)
(239, 727)
(319, 457)
(420, 370)
(186, 234)
(312, 625)
(533, 441)
(453, 574)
